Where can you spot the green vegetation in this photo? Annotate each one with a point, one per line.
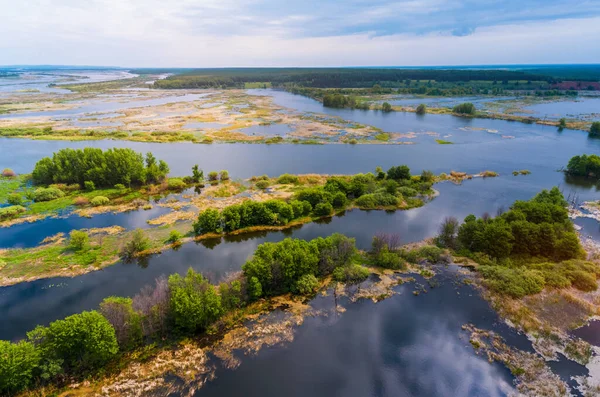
(521, 172)
(93, 342)
(139, 242)
(443, 142)
(421, 109)
(11, 212)
(595, 128)
(524, 250)
(584, 165)
(101, 168)
(464, 108)
(79, 240)
(386, 107)
(99, 200)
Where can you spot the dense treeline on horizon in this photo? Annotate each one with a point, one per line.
(335, 77)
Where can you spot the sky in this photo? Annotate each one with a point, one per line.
(235, 33)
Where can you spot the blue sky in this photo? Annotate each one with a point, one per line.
(213, 33)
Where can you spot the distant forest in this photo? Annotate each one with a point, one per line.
(366, 77)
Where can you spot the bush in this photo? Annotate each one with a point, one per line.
(377, 200)
(89, 186)
(224, 175)
(79, 240)
(47, 194)
(209, 221)
(262, 184)
(174, 237)
(389, 260)
(399, 172)
(583, 281)
(421, 109)
(562, 123)
(386, 107)
(18, 364)
(83, 342)
(176, 184)
(339, 200)
(194, 302)
(81, 201)
(120, 186)
(99, 200)
(286, 179)
(138, 243)
(323, 209)
(464, 108)
(213, 176)
(15, 199)
(517, 282)
(11, 212)
(595, 128)
(307, 284)
(407, 191)
(350, 274)
(8, 173)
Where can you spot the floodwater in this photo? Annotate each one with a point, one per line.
(405, 345)
(444, 102)
(584, 108)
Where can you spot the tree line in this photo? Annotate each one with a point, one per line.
(100, 168)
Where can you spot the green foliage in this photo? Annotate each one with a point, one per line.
(339, 101)
(307, 284)
(232, 296)
(18, 364)
(11, 212)
(464, 108)
(139, 242)
(120, 186)
(406, 191)
(15, 199)
(99, 200)
(79, 240)
(47, 194)
(175, 237)
(562, 123)
(339, 200)
(323, 209)
(595, 128)
(176, 184)
(81, 342)
(399, 172)
(516, 282)
(386, 107)
(194, 302)
(224, 175)
(288, 179)
(89, 186)
(584, 165)
(102, 168)
(377, 200)
(209, 221)
(351, 274)
(262, 184)
(421, 109)
(197, 174)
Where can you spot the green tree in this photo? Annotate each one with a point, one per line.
(399, 172)
(79, 240)
(139, 242)
(562, 123)
(82, 342)
(197, 174)
(126, 322)
(18, 365)
(323, 209)
(595, 128)
(464, 108)
(421, 109)
(209, 221)
(194, 302)
(386, 107)
(15, 199)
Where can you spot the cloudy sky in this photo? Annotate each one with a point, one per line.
(214, 33)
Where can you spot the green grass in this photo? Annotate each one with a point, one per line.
(383, 137)
(443, 142)
(266, 84)
(10, 185)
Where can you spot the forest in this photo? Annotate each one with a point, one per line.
(335, 77)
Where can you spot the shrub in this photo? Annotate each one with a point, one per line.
(194, 302)
(350, 274)
(224, 175)
(595, 128)
(377, 200)
(339, 200)
(562, 123)
(8, 173)
(138, 243)
(407, 191)
(18, 364)
(213, 176)
(323, 209)
(81, 201)
(89, 186)
(307, 284)
(209, 221)
(79, 240)
(464, 108)
(421, 109)
(83, 342)
(583, 281)
(15, 199)
(99, 200)
(120, 186)
(47, 194)
(386, 107)
(286, 179)
(516, 282)
(11, 212)
(176, 184)
(262, 184)
(174, 237)
(389, 260)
